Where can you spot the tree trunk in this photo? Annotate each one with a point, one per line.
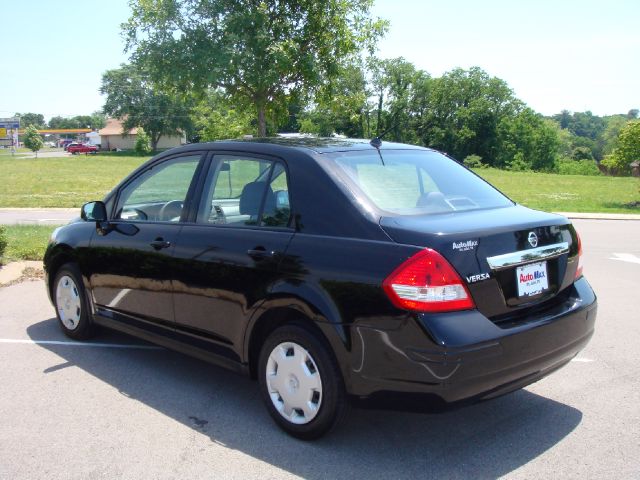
(154, 142)
(262, 121)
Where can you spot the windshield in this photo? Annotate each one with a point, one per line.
(415, 182)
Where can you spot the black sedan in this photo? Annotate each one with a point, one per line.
(328, 269)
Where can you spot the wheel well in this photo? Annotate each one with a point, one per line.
(271, 320)
(63, 256)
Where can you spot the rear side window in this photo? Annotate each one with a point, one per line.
(243, 191)
(414, 182)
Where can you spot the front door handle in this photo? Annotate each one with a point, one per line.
(259, 253)
(160, 243)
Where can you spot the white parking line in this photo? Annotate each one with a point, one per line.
(583, 360)
(79, 344)
(625, 257)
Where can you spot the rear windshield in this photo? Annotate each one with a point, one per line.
(416, 182)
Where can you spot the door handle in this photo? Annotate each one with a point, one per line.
(259, 253)
(160, 243)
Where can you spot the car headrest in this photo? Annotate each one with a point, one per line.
(251, 197)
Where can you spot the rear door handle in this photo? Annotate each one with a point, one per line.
(259, 253)
(160, 243)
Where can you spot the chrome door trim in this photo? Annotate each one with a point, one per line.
(500, 262)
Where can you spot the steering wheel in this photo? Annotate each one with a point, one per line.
(171, 210)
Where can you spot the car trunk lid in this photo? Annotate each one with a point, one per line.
(511, 258)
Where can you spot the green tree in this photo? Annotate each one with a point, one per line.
(95, 121)
(463, 111)
(397, 83)
(587, 131)
(627, 151)
(132, 97)
(32, 139)
(59, 122)
(609, 138)
(342, 106)
(28, 119)
(527, 142)
(215, 118)
(258, 52)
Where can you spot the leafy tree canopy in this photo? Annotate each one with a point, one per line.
(132, 97)
(258, 52)
(216, 118)
(628, 149)
(95, 121)
(28, 119)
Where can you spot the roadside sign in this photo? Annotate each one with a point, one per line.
(10, 123)
(3, 132)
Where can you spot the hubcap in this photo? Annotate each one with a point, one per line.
(68, 302)
(294, 383)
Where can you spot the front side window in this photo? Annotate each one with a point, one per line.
(159, 193)
(245, 191)
(416, 182)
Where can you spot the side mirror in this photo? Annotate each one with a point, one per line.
(94, 212)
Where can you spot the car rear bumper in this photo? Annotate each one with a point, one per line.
(459, 356)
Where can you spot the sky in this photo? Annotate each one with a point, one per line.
(576, 55)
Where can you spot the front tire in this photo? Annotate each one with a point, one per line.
(301, 383)
(71, 302)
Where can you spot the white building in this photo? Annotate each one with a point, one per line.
(112, 137)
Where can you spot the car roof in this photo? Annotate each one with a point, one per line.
(308, 143)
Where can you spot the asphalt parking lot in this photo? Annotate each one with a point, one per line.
(120, 408)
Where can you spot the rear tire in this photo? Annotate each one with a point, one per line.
(72, 304)
(301, 383)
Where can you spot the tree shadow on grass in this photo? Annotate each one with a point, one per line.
(485, 440)
(630, 207)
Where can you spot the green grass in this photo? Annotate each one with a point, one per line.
(566, 193)
(72, 181)
(61, 182)
(25, 242)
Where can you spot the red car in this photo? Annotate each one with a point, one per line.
(80, 148)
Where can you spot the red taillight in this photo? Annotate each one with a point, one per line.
(579, 269)
(426, 282)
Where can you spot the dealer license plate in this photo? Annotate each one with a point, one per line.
(532, 279)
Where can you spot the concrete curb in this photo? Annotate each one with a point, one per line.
(14, 271)
(600, 216)
(34, 209)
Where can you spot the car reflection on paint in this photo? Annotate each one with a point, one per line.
(328, 269)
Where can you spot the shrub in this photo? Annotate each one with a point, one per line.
(3, 240)
(143, 143)
(474, 161)
(566, 166)
(519, 164)
(582, 153)
(627, 151)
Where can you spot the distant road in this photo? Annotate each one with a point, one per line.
(37, 216)
(42, 154)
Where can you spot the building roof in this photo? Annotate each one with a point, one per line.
(114, 127)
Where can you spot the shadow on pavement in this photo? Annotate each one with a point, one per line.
(485, 440)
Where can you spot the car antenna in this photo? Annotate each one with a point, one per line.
(376, 141)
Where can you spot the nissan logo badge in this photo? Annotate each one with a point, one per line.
(533, 239)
